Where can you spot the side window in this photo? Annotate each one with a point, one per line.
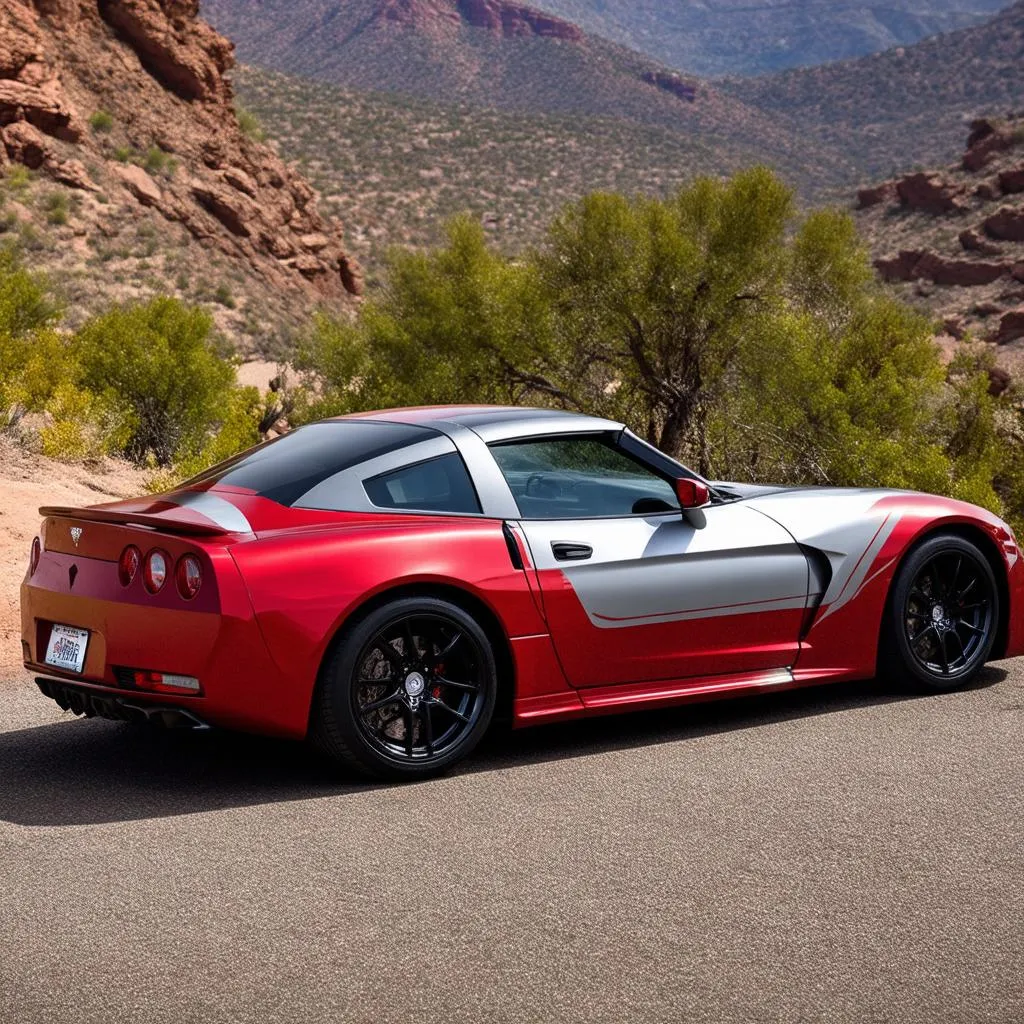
(580, 478)
(440, 485)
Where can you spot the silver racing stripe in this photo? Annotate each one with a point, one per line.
(664, 569)
(217, 510)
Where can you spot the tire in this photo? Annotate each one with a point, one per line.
(942, 615)
(408, 690)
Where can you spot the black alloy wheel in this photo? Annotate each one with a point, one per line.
(945, 606)
(409, 691)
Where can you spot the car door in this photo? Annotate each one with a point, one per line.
(634, 590)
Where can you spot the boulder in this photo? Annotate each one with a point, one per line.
(972, 241)
(999, 380)
(1006, 224)
(1011, 327)
(314, 242)
(1012, 181)
(140, 184)
(961, 273)
(899, 267)
(233, 210)
(930, 193)
(986, 139)
(238, 179)
(25, 145)
(71, 173)
(43, 107)
(875, 195)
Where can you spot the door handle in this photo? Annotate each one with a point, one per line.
(565, 551)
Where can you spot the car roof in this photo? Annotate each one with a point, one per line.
(492, 422)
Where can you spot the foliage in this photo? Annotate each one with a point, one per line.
(449, 326)
(56, 205)
(160, 361)
(249, 124)
(101, 121)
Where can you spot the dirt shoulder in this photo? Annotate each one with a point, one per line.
(26, 482)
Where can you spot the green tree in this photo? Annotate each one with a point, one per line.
(458, 324)
(161, 362)
(663, 294)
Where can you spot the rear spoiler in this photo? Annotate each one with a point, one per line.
(163, 523)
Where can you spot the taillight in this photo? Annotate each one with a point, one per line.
(154, 570)
(128, 564)
(33, 558)
(189, 575)
(163, 682)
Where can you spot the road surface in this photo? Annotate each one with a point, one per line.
(837, 854)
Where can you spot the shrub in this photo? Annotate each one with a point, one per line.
(249, 124)
(161, 362)
(56, 206)
(157, 161)
(101, 121)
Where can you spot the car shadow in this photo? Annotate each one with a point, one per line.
(82, 772)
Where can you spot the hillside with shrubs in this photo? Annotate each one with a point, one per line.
(127, 172)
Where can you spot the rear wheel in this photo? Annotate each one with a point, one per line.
(409, 690)
(943, 613)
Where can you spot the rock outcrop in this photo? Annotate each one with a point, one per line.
(953, 244)
(115, 84)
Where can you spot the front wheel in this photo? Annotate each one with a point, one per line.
(943, 613)
(409, 690)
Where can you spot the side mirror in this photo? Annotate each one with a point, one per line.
(692, 493)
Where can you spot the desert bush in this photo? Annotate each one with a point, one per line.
(161, 362)
(56, 206)
(249, 124)
(101, 121)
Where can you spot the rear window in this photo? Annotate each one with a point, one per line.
(285, 469)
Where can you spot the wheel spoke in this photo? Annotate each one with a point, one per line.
(972, 607)
(943, 654)
(410, 640)
(927, 629)
(382, 703)
(963, 593)
(956, 575)
(409, 729)
(469, 687)
(428, 726)
(389, 652)
(437, 702)
(959, 640)
(970, 626)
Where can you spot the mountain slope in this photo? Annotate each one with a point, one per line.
(497, 54)
(406, 165)
(904, 101)
(735, 37)
(126, 171)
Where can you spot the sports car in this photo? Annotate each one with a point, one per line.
(387, 584)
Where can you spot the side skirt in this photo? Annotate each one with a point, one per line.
(607, 700)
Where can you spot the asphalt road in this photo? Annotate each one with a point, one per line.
(839, 854)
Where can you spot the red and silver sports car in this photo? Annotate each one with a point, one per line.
(385, 584)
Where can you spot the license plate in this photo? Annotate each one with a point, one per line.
(66, 648)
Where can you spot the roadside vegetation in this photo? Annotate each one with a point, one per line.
(750, 341)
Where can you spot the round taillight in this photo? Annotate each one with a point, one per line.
(189, 575)
(33, 558)
(154, 571)
(128, 564)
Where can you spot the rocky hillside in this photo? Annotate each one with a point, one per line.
(125, 169)
(735, 37)
(501, 55)
(912, 100)
(398, 167)
(952, 240)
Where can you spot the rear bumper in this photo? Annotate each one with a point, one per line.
(93, 702)
(222, 647)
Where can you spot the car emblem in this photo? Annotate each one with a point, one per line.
(76, 532)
